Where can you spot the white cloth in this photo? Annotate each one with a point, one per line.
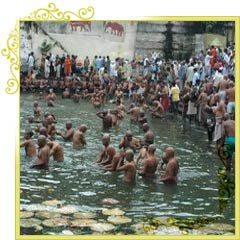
(30, 61)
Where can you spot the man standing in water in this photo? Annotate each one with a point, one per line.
(108, 152)
(230, 95)
(129, 168)
(56, 150)
(148, 136)
(172, 168)
(106, 118)
(129, 141)
(79, 137)
(51, 98)
(68, 135)
(229, 133)
(29, 145)
(43, 153)
(51, 129)
(134, 112)
(37, 110)
(150, 164)
(113, 165)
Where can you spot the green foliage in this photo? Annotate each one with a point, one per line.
(168, 48)
(45, 47)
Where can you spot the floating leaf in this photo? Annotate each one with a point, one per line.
(69, 209)
(38, 228)
(84, 215)
(114, 211)
(56, 222)
(36, 207)
(119, 219)
(102, 227)
(167, 230)
(25, 214)
(138, 228)
(67, 232)
(46, 214)
(83, 222)
(221, 227)
(110, 201)
(53, 203)
(29, 222)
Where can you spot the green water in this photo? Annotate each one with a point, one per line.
(79, 181)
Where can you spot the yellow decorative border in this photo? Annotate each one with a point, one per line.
(11, 52)
(53, 13)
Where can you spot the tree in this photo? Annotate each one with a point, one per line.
(168, 48)
(45, 47)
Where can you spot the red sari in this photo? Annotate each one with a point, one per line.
(165, 102)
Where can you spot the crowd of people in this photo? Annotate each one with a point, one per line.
(200, 90)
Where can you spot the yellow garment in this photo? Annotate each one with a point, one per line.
(175, 94)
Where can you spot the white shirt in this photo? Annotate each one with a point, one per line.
(207, 60)
(195, 78)
(30, 61)
(47, 66)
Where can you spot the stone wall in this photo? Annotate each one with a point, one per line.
(94, 38)
(151, 37)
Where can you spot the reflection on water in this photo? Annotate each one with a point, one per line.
(79, 181)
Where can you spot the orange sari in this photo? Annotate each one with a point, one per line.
(68, 63)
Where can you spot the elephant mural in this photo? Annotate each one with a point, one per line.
(115, 28)
(84, 25)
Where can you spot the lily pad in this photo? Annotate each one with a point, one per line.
(221, 227)
(29, 222)
(138, 228)
(69, 209)
(114, 211)
(204, 231)
(53, 203)
(83, 222)
(102, 227)
(36, 207)
(119, 219)
(38, 228)
(67, 232)
(56, 222)
(26, 214)
(46, 214)
(166, 230)
(85, 215)
(110, 201)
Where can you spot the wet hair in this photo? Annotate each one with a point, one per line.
(146, 126)
(128, 133)
(83, 127)
(29, 132)
(130, 152)
(152, 148)
(107, 136)
(43, 131)
(42, 138)
(170, 150)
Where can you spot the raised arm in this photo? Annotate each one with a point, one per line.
(67, 135)
(121, 166)
(24, 144)
(100, 115)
